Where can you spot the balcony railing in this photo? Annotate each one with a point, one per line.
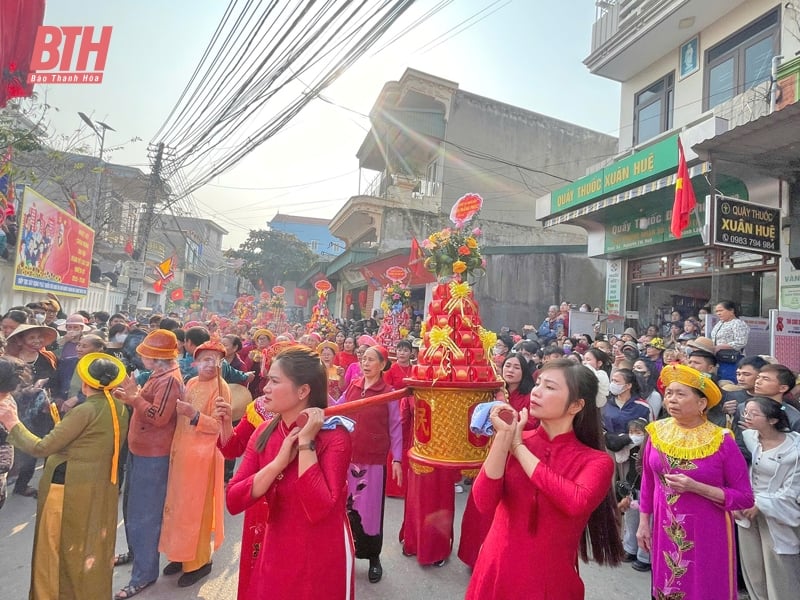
(746, 107)
(606, 23)
(420, 188)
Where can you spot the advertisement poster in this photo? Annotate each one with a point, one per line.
(54, 249)
(786, 337)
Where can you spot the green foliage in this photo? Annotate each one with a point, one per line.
(272, 256)
(20, 127)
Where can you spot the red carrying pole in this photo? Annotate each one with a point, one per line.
(351, 407)
(347, 408)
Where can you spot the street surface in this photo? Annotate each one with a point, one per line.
(403, 578)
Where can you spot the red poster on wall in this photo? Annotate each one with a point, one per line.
(54, 249)
(300, 297)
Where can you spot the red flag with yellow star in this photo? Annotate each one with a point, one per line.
(685, 200)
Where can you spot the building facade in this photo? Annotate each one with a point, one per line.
(694, 71)
(432, 142)
(312, 231)
(200, 267)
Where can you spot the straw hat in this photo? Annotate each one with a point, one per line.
(49, 333)
(701, 343)
(75, 319)
(327, 344)
(159, 344)
(100, 370)
(263, 331)
(694, 379)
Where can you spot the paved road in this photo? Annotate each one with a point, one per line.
(403, 578)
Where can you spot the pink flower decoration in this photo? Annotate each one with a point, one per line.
(477, 231)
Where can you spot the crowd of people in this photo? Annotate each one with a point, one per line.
(637, 448)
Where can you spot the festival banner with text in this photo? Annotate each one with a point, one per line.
(54, 249)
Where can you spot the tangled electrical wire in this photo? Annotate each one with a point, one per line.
(255, 60)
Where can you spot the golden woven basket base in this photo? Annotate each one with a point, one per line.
(441, 427)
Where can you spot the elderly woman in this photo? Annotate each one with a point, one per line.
(730, 335)
(693, 478)
(76, 518)
(28, 343)
(149, 442)
(327, 354)
(378, 431)
(71, 393)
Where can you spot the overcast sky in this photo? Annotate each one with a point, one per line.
(527, 53)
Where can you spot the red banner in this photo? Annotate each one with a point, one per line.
(19, 22)
(300, 297)
(54, 249)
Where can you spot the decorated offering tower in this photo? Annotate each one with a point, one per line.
(454, 372)
(395, 306)
(320, 315)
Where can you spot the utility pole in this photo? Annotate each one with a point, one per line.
(136, 274)
(98, 206)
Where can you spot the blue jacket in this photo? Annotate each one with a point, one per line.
(616, 419)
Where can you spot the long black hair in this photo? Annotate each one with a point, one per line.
(602, 533)
(526, 383)
(637, 385)
(647, 385)
(301, 366)
(773, 410)
(602, 357)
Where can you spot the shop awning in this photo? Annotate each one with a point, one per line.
(668, 181)
(769, 144)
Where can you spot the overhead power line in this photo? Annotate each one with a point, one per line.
(245, 88)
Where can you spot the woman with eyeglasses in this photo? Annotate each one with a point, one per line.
(354, 370)
(502, 348)
(769, 533)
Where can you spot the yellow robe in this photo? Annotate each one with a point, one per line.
(196, 478)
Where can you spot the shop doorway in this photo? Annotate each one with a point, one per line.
(689, 281)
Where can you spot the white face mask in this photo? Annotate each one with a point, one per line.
(616, 388)
(636, 439)
(583, 309)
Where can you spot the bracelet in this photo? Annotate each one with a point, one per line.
(515, 446)
(397, 461)
(195, 419)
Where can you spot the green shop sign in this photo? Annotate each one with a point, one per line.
(640, 166)
(650, 227)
